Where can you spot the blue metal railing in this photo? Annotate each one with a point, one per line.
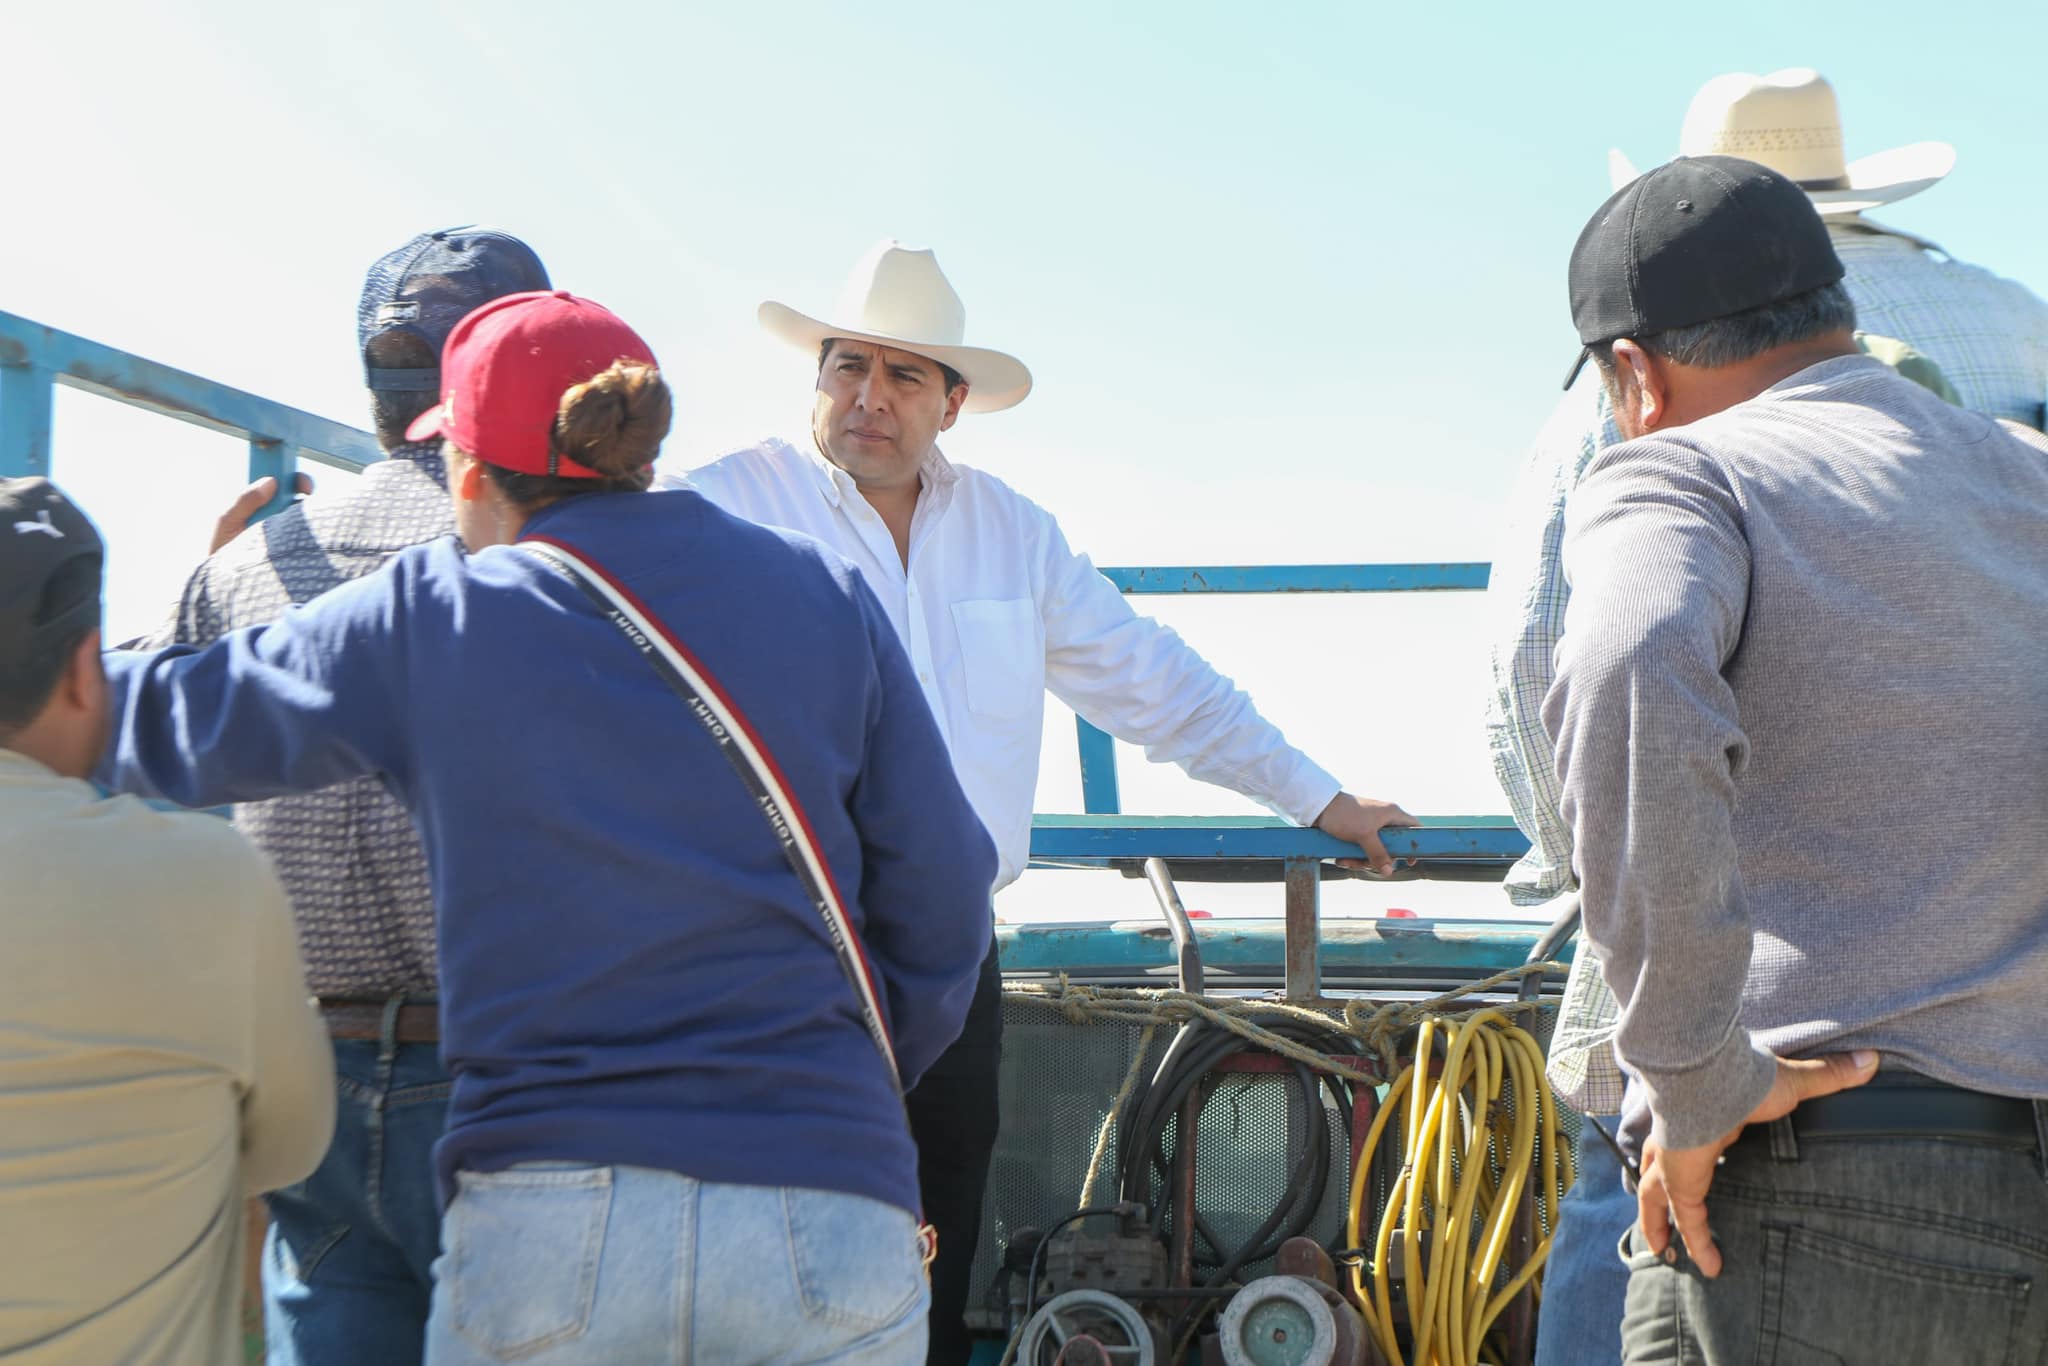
(1482, 844)
(1098, 751)
(1261, 848)
(34, 359)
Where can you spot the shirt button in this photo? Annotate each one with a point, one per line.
(924, 678)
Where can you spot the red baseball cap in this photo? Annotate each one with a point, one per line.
(505, 369)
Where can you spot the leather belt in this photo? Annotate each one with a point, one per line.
(1910, 1107)
(417, 1023)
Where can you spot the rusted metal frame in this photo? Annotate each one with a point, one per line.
(1302, 946)
(1187, 1126)
(1521, 1312)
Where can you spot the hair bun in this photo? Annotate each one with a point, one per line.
(615, 422)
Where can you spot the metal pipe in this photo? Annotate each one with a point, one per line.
(1562, 928)
(1186, 952)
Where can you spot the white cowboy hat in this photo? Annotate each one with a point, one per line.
(1789, 122)
(898, 297)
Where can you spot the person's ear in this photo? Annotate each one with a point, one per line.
(85, 676)
(467, 478)
(954, 399)
(1645, 385)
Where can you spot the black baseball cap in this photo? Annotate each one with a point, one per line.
(42, 532)
(430, 284)
(1695, 239)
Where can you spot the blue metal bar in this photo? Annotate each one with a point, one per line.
(1478, 839)
(115, 374)
(26, 405)
(276, 459)
(1300, 578)
(1098, 770)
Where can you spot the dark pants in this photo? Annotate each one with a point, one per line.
(347, 1266)
(1841, 1252)
(953, 1117)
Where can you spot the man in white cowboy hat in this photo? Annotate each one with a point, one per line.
(995, 610)
(1984, 336)
(1988, 335)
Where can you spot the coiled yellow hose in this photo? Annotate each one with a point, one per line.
(1467, 1159)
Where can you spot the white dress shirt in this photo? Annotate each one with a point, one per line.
(994, 609)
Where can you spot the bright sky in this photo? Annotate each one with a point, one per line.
(1290, 276)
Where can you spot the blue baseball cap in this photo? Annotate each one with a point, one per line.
(430, 284)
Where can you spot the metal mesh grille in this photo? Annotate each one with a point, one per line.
(1059, 1083)
(1235, 1191)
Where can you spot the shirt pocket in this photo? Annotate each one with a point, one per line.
(1001, 655)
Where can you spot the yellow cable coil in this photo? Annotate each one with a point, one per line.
(1467, 1158)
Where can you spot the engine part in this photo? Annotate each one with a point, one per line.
(1085, 1251)
(1121, 1259)
(1086, 1326)
(1291, 1321)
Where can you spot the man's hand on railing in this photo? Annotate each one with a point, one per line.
(1359, 820)
(235, 520)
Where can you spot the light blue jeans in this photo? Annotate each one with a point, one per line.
(559, 1265)
(1585, 1282)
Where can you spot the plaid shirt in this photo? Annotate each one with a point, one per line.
(348, 855)
(1988, 335)
(1989, 338)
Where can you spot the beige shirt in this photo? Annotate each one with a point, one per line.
(159, 1060)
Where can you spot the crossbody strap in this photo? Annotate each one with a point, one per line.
(744, 749)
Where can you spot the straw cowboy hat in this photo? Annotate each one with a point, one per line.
(1789, 122)
(898, 297)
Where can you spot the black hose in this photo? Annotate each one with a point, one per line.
(1144, 1156)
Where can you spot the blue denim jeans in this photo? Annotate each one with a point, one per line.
(557, 1264)
(1855, 1250)
(1585, 1282)
(347, 1265)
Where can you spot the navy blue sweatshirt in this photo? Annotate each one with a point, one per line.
(630, 971)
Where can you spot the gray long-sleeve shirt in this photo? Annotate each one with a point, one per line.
(1801, 714)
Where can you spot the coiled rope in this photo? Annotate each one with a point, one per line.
(1381, 1028)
